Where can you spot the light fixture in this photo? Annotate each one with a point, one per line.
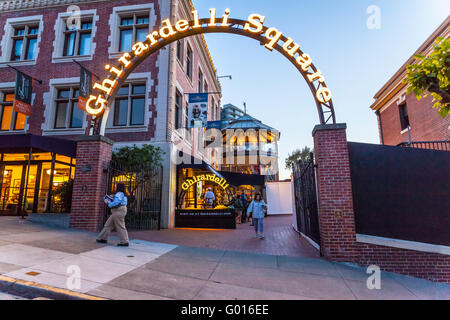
(49, 171)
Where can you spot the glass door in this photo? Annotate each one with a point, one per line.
(11, 187)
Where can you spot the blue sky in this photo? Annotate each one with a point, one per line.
(355, 60)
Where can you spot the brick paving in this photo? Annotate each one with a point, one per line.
(281, 239)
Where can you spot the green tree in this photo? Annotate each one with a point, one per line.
(297, 155)
(147, 157)
(431, 75)
(64, 193)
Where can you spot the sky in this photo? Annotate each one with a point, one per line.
(355, 60)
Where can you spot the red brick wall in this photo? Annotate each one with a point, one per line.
(89, 187)
(46, 70)
(431, 266)
(426, 124)
(334, 187)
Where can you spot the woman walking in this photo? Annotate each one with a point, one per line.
(257, 208)
(117, 219)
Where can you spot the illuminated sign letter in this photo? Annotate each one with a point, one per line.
(167, 30)
(225, 18)
(139, 48)
(182, 25)
(107, 86)
(212, 22)
(125, 60)
(304, 60)
(255, 23)
(290, 47)
(196, 20)
(323, 94)
(113, 70)
(100, 104)
(316, 76)
(152, 37)
(273, 35)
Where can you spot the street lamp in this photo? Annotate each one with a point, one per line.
(229, 77)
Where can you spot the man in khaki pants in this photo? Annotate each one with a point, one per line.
(117, 219)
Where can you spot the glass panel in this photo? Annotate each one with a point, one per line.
(85, 44)
(123, 91)
(137, 115)
(126, 39)
(139, 89)
(63, 158)
(44, 187)
(20, 121)
(120, 112)
(142, 20)
(69, 44)
(34, 30)
(126, 21)
(6, 118)
(17, 50)
(29, 189)
(15, 156)
(31, 48)
(141, 34)
(9, 97)
(76, 93)
(41, 156)
(76, 120)
(19, 32)
(63, 94)
(61, 113)
(86, 25)
(9, 198)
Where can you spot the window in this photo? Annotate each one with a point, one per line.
(67, 114)
(206, 87)
(404, 119)
(24, 42)
(189, 62)
(9, 119)
(213, 108)
(133, 28)
(186, 115)
(178, 108)
(180, 51)
(200, 81)
(129, 106)
(77, 42)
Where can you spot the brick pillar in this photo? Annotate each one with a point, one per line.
(93, 155)
(336, 216)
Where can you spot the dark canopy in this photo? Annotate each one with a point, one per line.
(23, 142)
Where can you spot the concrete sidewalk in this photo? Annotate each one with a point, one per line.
(152, 270)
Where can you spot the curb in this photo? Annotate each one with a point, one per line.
(32, 290)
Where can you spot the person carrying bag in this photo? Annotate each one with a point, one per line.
(257, 209)
(117, 219)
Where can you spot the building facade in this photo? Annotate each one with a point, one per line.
(401, 117)
(43, 38)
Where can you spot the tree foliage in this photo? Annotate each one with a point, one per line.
(147, 157)
(64, 193)
(296, 155)
(431, 75)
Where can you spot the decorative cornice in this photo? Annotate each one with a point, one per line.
(13, 5)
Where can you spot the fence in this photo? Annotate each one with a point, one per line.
(143, 188)
(401, 193)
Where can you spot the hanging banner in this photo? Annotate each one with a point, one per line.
(198, 110)
(22, 94)
(85, 88)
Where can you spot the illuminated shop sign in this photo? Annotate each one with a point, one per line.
(205, 177)
(253, 26)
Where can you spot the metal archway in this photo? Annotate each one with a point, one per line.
(236, 26)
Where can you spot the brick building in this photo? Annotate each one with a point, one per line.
(36, 38)
(397, 111)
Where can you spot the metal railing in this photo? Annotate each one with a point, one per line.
(443, 145)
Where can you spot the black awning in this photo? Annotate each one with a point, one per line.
(241, 179)
(23, 142)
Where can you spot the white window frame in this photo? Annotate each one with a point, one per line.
(114, 23)
(10, 86)
(50, 108)
(58, 43)
(7, 43)
(146, 78)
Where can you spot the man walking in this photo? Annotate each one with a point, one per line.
(209, 199)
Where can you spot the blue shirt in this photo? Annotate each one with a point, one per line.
(119, 198)
(257, 208)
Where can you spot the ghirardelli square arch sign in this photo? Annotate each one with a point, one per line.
(170, 31)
